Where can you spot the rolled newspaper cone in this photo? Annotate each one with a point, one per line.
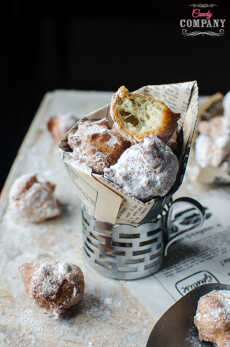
(107, 202)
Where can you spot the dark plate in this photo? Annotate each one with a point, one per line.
(175, 328)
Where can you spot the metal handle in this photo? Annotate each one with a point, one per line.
(174, 233)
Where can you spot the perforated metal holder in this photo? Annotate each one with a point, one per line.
(128, 252)
(124, 251)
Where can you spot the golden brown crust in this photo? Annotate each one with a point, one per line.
(164, 130)
(96, 145)
(54, 128)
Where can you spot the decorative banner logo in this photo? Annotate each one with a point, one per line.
(204, 21)
(195, 280)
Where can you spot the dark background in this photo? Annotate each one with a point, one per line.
(99, 46)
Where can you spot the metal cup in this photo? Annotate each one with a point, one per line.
(128, 252)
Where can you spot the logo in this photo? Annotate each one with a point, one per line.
(195, 280)
(202, 22)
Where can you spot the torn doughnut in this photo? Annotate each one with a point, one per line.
(137, 116)
(212, 318)
(58, 125)
(33, 198)
(95, 144)
(54, 286)
(145, 170)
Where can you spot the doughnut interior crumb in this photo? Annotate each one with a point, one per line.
(140, 115)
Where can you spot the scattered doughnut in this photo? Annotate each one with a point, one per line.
(33, 198)
(54, 286)
(145, 170)
(96, 144)
(212, 318)
(58, 125)
(137, 116)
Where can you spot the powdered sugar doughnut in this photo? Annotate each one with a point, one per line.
(33, 198)
(212, 318)
(53, 285)
(58, 125)
(96, 145)
(146, 169)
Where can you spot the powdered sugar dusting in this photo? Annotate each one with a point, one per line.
(145, 170)
(57, 286)
(66, 121)
(112, 141)
(212, 318)
(96, 144)
(220, 309)
(32, 197)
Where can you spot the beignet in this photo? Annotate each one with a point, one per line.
(212, 318)
(96, 144)
(33, 198)
(145, 170)
(54, 286)
(137, 116)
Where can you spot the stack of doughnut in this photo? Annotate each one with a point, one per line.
(133, 150)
